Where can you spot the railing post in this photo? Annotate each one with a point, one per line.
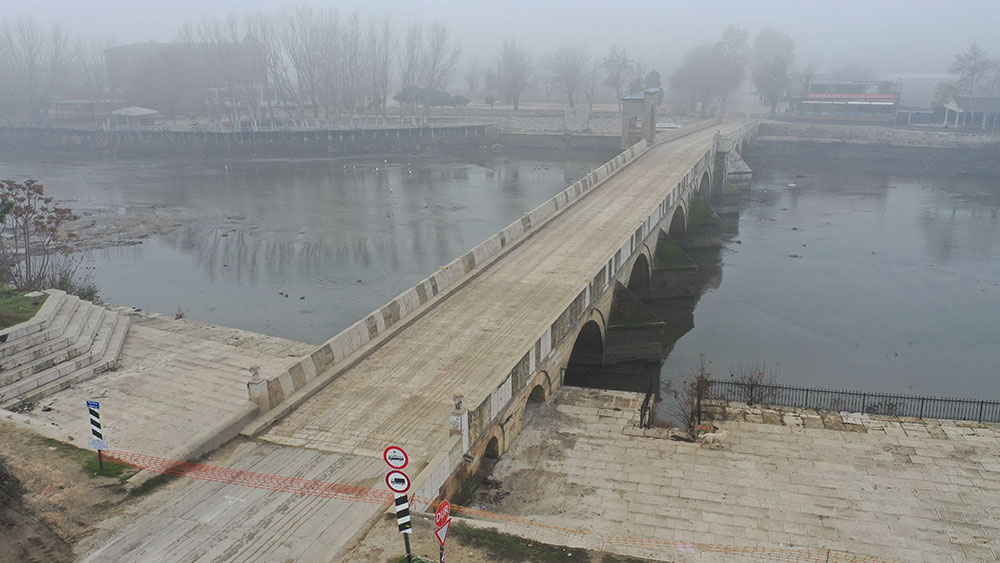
(981, 405)
(806, 405)
(864, 401)
(921, 408)
(698, 392)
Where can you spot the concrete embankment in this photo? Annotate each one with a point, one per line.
(159, 143)
(936, 151)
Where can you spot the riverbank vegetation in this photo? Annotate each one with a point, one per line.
(32, 247)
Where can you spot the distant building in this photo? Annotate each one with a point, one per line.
(187, 78)
(860, 101)
(917, 90)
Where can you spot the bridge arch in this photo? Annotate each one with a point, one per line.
(677, 227)
(541, 388)
(705, 186)
(492, 452)
(642, 271)
(586, 360)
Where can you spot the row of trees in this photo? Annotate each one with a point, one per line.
(39, 64)
(710, 73)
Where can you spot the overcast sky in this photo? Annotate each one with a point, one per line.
(887, 35)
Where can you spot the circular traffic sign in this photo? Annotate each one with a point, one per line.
(397, 481)
(443, 513)
(395, 457)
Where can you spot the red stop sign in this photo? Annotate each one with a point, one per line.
(443, 513)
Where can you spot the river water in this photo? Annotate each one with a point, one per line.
(339, 237)
(861, 276)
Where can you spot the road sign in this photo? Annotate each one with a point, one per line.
(96, 432)
(443, 513)
(442, 532)
(395, 457)
(397, 481)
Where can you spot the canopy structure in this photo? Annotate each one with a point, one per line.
(973, 112)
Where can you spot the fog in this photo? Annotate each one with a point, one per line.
(886, 37)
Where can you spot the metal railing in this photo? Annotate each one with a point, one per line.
(646, 410)
(853, 401)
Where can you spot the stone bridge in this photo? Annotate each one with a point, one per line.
(445, 369)
(500, 325)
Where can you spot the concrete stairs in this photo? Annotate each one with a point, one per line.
(68, 341)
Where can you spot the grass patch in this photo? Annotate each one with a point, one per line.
(416, 559)
(152, 484)
(504, 547)
(16, 308)
(700, 213)
(88, 460)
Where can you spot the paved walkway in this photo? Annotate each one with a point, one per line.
(402, 393)
(908, 491)
(179, 383)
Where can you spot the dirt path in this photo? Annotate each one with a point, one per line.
(47, 499)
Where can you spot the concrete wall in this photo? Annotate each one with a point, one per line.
(246, 143)
(862, 134)
(565, 141)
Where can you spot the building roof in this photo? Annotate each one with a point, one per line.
(134, 111)
(640, 96)
(974, 103)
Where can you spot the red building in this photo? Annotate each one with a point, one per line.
(849, 101)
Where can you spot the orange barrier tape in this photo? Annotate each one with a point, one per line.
(322, 489)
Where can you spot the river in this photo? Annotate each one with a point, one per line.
(861, 276)
(852, 275)
(297, 248)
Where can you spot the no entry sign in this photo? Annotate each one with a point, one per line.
(395, 457)
(443, 514)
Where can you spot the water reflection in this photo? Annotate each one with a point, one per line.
(852, 279)
(338, 237)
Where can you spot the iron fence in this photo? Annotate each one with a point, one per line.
(853, 401)
(646, 411)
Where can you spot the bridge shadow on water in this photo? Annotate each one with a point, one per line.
(630, 358)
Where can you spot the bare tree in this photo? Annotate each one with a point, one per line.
(266, 30)
(568, 67)
(382, 46)
(92, 73)
(473, 75)
(33, 68)
(513, 71)
(617, 67)
(972, 69)
(351, 47)
(591, 83)
(32, 224)
(440, 57)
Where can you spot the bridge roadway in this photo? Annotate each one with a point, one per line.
(401, 394)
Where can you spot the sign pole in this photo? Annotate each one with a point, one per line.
(96, 431)
(409, 555)
(442, 554)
